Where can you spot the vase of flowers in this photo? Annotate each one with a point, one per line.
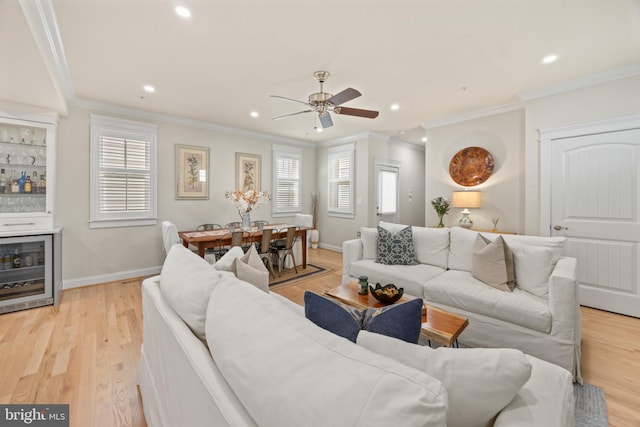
(247, 201)
(441, 206)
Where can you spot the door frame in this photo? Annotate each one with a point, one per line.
(383, 163)
(548, 135)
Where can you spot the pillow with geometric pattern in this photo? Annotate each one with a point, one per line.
(396, 248)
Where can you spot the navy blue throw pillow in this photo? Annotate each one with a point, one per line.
(402, 321)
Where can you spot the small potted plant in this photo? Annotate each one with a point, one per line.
(441, 206)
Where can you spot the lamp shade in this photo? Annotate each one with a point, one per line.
(466, 199)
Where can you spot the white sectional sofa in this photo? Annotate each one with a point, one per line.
(543, 320)
(261, 362)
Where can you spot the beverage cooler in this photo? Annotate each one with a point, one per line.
(30, 273)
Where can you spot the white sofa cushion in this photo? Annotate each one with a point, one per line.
(460, 289)
(369, 238)
(432, 245)
(186, 282)
(533, 268)
(410, 277)
(479, 382)
(547, 399)
(462, 240)
(303, 374)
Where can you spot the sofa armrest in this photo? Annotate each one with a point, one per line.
(351, 252)
(564, 306)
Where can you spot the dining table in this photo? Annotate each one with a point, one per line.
(205, 239)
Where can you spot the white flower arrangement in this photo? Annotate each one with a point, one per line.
(247, 201)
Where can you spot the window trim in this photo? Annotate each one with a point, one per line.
(342, 151)
(120, 128)
(291, 152)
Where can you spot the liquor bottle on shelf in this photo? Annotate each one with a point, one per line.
(21, 182)
(43, 184)
(3, 182)
(15, 188)
(34, 183)
(7, 261)
(27, 184)
(16, 259)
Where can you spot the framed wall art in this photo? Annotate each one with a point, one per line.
(248, 171)
(192, 172)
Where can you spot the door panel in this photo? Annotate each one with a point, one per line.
(595, 203)
(387, 180)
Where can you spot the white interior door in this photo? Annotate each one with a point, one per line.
(387, 191)
(595, 203)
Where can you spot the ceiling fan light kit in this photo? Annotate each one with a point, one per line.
(325, 103)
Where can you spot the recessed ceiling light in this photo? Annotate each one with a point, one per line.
(149, 88)
(549, 59)
(254, 114)
(424, 139)
(395, 107)
(318, 129)
(183, 11)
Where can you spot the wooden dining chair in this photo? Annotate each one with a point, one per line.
(284, 247)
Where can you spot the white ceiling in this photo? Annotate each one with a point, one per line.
(434, 58)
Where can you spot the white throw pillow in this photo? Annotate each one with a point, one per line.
(289, 372)
(224, 263)
(186, 282)
(392, 227)
(533, 268)
(251, 269)
(479, 382)
(369, 238)
(432, 245)
(461, 248)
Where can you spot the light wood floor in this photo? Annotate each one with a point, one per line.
(85, 352)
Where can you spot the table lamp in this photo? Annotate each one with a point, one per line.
(466, 200)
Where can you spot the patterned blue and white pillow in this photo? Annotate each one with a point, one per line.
(396, 248)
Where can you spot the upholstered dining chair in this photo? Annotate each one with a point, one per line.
(282, 250)
(265, 251)
(169, 235)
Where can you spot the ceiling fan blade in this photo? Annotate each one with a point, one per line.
(346, 95)
(292, 114)
(369, 114)
(325, 120)
(289, 99)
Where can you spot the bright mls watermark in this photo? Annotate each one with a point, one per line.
(34, 415)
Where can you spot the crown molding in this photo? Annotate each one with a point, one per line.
(592, 80)
(344, 140)
(471, 115)
(41, 19)
(397, 141)
(167, 118)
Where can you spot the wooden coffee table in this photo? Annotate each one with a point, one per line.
(437, 325)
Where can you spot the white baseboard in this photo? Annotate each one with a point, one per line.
(330, 247)
(104, 278)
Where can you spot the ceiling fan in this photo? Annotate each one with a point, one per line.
(324, 103)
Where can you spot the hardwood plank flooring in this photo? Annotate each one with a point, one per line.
(85, 352)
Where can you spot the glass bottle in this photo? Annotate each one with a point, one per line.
(34, 182)
(16, 259)
(27, 184)
(3, 182)
(15, 188)
(43, 184)
(21, 182)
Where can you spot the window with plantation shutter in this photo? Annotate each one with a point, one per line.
(287, 182)
(122, 173)
(341, 181)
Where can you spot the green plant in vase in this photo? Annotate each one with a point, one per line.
(441, 206)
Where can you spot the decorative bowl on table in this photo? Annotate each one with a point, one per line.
(387, 294)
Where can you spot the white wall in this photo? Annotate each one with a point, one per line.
(96, 253)
(502, 193)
